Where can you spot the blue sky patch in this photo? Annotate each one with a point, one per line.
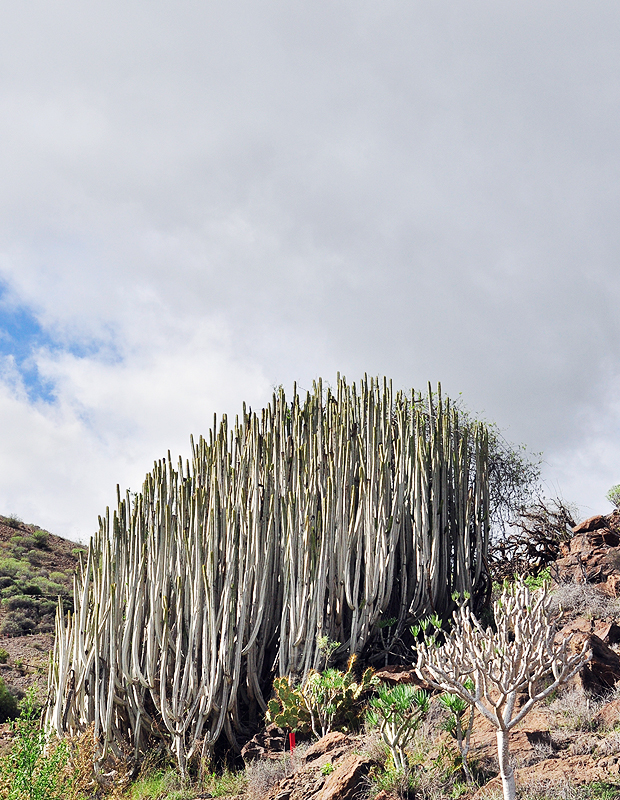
(20, 336)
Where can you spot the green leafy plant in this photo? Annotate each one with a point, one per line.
(460, 723)
(8, 704)
(398, 712)
(327, 768)
(41, 539)
(287, 709)
(327, 647)
(4, 655)
(613, 495)
(325, 700)
(33, 771)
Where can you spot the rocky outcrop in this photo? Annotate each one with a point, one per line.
(572, 770)
(268, 743)
(348, 780)
(333, 743)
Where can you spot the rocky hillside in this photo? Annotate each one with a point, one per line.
(36, 568)
(568, 747)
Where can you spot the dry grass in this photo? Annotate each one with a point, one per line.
(262, 775)
(584, 599)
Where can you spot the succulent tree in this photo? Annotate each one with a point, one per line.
(317, 517)
(488, 668)
(398, 711)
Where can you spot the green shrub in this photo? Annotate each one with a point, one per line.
(58, 578)
(17, 623)
(13, 521)
(10, 567)
(4, 655)
(34, 771)
(8, 704)
(326, 701)
(398, 711)
(613, 495)
(20, 601)
(41, 539)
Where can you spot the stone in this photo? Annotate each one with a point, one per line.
(396, 675)
(269, 743)
(609, 632)
(601, 673)
(611, 587)
(591, 558)
(609, 715)
(574, 770)
(326, 743)
(348, 779)
(591, 524)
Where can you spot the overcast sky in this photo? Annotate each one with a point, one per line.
(201, 200)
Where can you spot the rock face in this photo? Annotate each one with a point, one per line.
(590, 557)
(269, 743)
(602, 672)
(574, 770)
(591, 524)
(332, 742)
(347, 781)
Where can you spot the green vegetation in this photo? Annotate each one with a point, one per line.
(460, 723)
(32, 772)
(398, 711)
(613, 495)
(325, 701)
(8, 704)
(31, 582)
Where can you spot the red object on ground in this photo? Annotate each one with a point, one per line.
(291, 739)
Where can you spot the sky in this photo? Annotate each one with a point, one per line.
(200, 201)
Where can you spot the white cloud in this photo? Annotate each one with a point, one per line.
(201, 200)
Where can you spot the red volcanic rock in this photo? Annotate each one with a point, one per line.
(347, 781)
(591, 524)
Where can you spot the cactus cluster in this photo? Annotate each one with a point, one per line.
(317, 517)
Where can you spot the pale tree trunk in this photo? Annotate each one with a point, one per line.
(506, 771)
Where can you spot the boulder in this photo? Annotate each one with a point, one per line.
(329, 742)
(268, 743)
(609, 715)
(591, 524)
(591, 557)
(608, 632)
(602, 672)
(348, 780)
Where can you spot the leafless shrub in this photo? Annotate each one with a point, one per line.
(533, 540)
(574, 711)
(547, 790)
(583, 599)
(609, 745)
(263, 774)
(542, 751)
(584, 744)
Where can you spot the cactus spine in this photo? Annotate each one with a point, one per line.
(314, 518)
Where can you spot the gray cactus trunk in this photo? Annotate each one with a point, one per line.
(506, 771)
(312, 518)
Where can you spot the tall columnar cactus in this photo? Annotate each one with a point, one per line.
(314, 518)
